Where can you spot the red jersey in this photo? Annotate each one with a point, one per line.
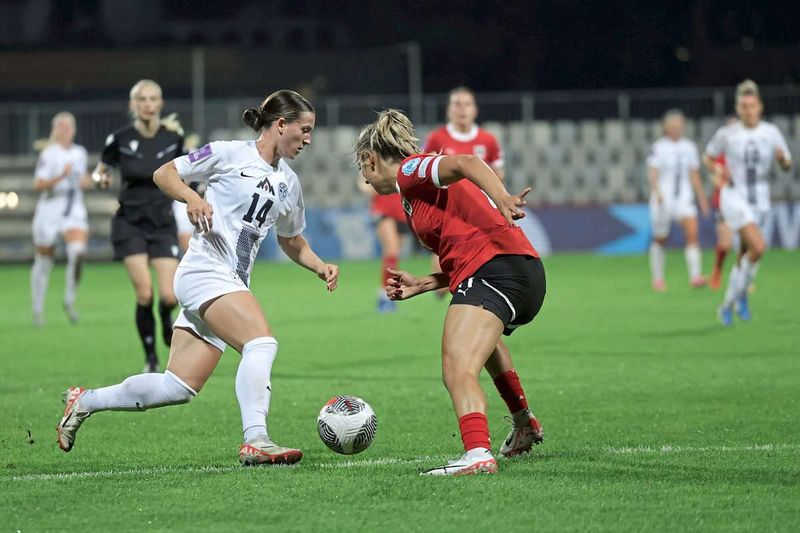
(715, 195)
(388, 205)
(479, 142)
(458, 222)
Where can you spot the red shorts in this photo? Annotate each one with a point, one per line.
(388, 205)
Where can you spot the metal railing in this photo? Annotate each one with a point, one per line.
(22, 123)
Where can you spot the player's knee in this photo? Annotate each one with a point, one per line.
(756, 250)
(144, 294)
(454, 374)
(167, 300)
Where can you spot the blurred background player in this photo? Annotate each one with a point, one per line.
(252, 190)
(461, 135)
(60, 176)
(673, 172)
(490, 267)
(390, 224)
(749, 145)
(724, 233)
(143, 231)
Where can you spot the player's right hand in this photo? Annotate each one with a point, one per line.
(200, 214)
(402, 285)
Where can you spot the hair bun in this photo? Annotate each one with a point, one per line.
(252, 119)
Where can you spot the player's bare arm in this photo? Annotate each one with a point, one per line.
(169, 181)
(403, 285)
(697, 185)
(784, 161)
(42, 184)
(101, 176)
(299, 251)
(652, 178)
(456, 167)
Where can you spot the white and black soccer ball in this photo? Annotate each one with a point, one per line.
(347, 424)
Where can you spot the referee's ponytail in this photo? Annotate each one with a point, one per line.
(283, 104)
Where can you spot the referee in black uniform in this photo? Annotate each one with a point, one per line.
(143, 231)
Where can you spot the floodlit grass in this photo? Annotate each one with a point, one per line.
(656, 418)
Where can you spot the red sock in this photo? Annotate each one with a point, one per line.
(389, 261)
(721, 253)
(510, 390)
(474, 431)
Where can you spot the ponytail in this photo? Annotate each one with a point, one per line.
(391, 136)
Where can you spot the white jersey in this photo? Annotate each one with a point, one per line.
(249, 196)
(674, 161)
(749, 153)
(67, 194)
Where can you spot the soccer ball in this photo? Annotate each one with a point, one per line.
(347, 424)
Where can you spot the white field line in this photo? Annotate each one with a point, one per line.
(358, 463)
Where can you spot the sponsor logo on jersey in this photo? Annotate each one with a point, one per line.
(283, 191)
(411, 166)
(200, 153)
(134, 144)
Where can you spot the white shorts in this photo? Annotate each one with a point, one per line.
(662, 214)
(49, 222)
(735, 210)
(181, 218)
(194, 286)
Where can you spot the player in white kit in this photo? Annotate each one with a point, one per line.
(61, 175)
(250, 188)
(750, 145)
(673, 170)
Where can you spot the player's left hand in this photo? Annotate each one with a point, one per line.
(511, 206)
(329, 273)
(780, 157)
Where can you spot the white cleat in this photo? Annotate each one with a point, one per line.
(72, 419)
(527, 432)
(471, 463)
(261, 450)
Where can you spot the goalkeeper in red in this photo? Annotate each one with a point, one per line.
(457, 207)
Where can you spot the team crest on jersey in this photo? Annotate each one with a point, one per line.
(200, 153)
(479, 150)
(411, 166)
(134, 144)
(283, 191)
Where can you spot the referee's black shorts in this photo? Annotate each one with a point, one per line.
(145, 231)
(510, 286)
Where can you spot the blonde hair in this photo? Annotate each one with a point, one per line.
(170, 122)
(747, 88)
(41, 144)
(391, 136)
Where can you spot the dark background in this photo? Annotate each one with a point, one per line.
(492, 46)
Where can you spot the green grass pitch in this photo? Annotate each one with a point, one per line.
(656, 419)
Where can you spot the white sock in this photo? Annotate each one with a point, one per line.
(656, 261)
(40, 276)
(732, 291)
(693, 265)
(748, 273)
(75, 250)
(139, 393)
(253, 387)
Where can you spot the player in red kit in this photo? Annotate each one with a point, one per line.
(724, 233)
(458, 208)
(461, 135)
(390, 223)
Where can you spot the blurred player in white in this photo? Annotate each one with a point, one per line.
(461, 135)
(673, 170)
(250, 188)
(61, 175)
(749, 145)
